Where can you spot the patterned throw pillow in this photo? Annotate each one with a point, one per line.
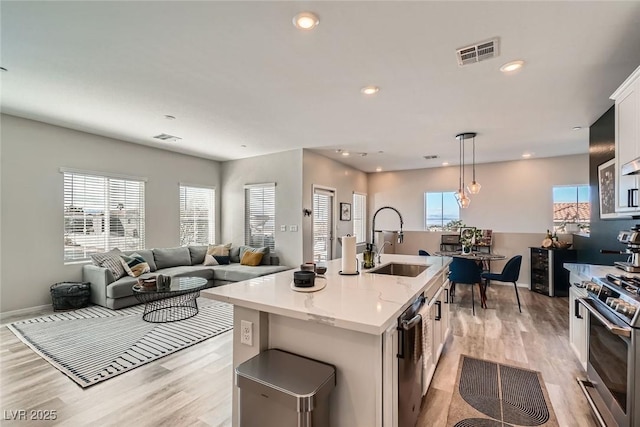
(111, 261)
(134, 264)
(251, 258)
(210, 260)
(222, 250)
(222, 260)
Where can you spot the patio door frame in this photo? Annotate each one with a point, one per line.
(333, 217)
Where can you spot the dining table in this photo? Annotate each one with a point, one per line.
(483, 259)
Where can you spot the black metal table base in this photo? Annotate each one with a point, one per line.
(171, 309)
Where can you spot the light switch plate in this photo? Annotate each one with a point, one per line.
(283, 228)
(293, 228)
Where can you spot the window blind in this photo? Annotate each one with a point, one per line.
(197, 215)
(101, 213)
(359, 216)
(260, 215)
(322, 224)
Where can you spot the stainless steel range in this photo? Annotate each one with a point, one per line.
(613, 368)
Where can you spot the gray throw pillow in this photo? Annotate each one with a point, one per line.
(171, 257)
(234, 254)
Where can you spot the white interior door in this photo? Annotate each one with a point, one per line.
(322, 224)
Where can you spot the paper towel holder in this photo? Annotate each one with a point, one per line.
(351, 274)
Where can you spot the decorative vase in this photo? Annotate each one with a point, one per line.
(466, 249)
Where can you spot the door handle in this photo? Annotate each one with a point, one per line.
(439, 315)
(576, 308)
(400, 354)
(611, 327)
(632, 198)
(446, 296)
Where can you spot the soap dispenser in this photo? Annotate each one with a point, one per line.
(368, 256)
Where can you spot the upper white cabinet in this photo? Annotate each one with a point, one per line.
(627, 99)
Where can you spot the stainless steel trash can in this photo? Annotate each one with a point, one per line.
(280, 389)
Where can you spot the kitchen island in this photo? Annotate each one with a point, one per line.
(351, 324)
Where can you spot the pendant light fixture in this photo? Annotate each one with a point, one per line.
(474, 187)
(461, 196)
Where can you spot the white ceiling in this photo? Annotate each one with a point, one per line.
(239, 73)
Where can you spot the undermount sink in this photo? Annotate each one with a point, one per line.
(400, 269)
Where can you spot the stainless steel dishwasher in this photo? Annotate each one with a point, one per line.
(409, 367)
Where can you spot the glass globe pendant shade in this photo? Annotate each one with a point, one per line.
(464, 202)
(474, 187)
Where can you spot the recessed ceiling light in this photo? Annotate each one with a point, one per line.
(576, 128)
(445, 163)
(345, 153)
(370, 90)
(169, 117)
(378, 169)
(512, 66)
(526, 155)
(306, 21)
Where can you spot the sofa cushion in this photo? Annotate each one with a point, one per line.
(134, 264)
(111, 261)
(266, 259)
(147, 254)
(236, 272)
(234, 254)
(123, 286)
(197, 254)
(171, 257)
(251, 258)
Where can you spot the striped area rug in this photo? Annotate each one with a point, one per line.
(93, 344)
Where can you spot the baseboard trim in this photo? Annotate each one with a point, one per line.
(23, 311)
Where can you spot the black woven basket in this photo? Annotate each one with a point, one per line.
(70, 295)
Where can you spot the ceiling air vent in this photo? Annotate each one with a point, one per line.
(478, 52)
(431, 157)
(167, 137)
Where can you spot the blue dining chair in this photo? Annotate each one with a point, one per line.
(510, 273)
(463, 270)
(422, 252)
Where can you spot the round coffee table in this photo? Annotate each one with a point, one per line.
(173, 304)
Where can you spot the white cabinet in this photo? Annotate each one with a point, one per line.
(578, 322)
(439, 330)
(627, 128)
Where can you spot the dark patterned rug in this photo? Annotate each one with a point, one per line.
(489, 394)
(93, 344)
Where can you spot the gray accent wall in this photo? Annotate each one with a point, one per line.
(604, 232)
(32, 154)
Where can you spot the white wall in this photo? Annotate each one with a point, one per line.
(325, 172)
(515, 197)
(32, 199)
(285, 169)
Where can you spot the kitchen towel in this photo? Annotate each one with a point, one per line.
(425, 343)
(349, 260)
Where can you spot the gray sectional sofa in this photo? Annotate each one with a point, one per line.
(182, 261)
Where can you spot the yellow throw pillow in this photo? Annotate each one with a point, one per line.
(219, 250)
(251, 258)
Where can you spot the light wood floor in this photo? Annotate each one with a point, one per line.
(193, 386)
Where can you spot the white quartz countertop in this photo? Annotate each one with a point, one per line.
(367, 302)
(589, 271)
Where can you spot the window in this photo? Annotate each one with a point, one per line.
(260, 215)
(571, 209)
(359, 216)
(440, 209)
(197, 215)
(101, 213)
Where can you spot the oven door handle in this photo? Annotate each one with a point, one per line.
(611, 327)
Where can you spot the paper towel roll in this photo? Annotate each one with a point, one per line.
(349, 260)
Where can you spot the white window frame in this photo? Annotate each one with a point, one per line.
(97, 200)
(269, 222)
(190, 218)
(359, 217)
(562, 225)
(443, 224)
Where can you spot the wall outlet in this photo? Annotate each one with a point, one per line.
(283, 228)
(246, 332)
(293, 228)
